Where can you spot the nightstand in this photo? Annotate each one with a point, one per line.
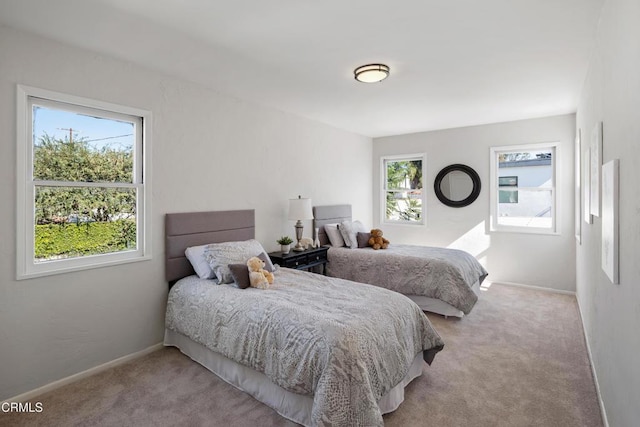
(301, 260)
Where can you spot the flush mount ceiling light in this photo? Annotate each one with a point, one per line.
(371, 73)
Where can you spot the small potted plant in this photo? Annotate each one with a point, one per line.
(285, 244)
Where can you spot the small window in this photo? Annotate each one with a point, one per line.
(402, 191)
(82, 183)
(523, 190)
(510, 193)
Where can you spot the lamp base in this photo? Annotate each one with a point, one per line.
(298, 247)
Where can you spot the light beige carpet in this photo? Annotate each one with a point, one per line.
(519, 359)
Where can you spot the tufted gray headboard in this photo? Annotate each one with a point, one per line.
(182, 230)
(327, 215)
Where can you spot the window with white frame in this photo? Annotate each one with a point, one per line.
(402, 192)
(523, 188)
(83, 183)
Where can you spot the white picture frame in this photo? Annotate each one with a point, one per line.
(610, 232)
(596, 163)
(578, 188)
(586, 188)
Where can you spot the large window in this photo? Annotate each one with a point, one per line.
(82, 183)
(402, 193)
(523, 188)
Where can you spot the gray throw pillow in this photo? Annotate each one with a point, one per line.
(363, 239)
(240, 274)
(268, 265)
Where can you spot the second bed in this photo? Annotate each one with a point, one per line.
(440, 280)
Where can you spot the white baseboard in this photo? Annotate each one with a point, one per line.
(537, 288)
(605, 421)
(80, 375)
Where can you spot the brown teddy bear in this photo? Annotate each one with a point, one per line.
(376, 241)
(258, 276)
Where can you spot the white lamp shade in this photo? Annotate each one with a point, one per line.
(300, 209)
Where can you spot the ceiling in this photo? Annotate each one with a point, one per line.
(453, 63)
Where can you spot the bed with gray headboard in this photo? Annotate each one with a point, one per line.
(440, 280)
(183, 230)
(320, 328)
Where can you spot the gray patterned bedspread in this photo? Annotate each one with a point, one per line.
(344, 343)
(445, 274)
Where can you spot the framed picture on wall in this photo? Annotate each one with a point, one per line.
(596, 162)
(577, 189)
(610, 233)
(586, 187)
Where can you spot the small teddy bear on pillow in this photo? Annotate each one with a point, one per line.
(258, 276)
(376, 241)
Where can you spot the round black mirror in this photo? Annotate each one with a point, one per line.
(457, 185)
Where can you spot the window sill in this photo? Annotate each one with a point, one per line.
(405, 224)
(538, 231)
(39, 270)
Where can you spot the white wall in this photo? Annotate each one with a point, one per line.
(538, 260)
(611, 313)
(210, 152)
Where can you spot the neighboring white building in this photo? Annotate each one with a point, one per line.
(522, 198)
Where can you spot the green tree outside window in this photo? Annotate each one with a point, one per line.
(403, 179)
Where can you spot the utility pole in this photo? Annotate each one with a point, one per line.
(70, 133)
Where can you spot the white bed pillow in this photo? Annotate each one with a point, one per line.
(195, 255)
(349, 231)
(334, 235)
(220, 255)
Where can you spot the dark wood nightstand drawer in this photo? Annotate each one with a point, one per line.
(317, 257)
(304, 260)
(296, 262)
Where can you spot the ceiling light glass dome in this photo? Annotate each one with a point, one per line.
(371, 73)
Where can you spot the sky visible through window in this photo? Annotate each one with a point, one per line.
(98, 132)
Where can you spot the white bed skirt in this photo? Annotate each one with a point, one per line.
(293, 406)
(437, 306)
